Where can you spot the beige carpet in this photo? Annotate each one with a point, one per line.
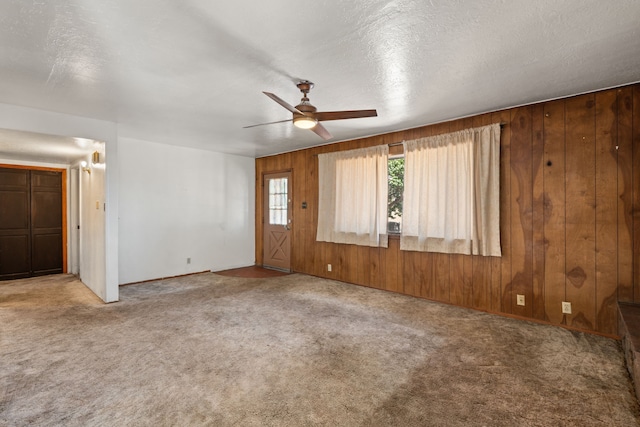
(291, 351)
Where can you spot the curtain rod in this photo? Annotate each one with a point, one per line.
(393, 144)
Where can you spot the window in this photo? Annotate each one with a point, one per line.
(451, 200)
(396, 188)
(442, 196)
(353, 200)
(278, 201)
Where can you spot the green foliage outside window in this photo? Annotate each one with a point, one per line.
(396, 186)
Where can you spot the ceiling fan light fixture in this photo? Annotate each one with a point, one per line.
(306, 116)
(305, 122)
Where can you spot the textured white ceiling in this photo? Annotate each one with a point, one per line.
(191, 72)
(42, 148)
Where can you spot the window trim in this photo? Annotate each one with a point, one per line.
(394, 234)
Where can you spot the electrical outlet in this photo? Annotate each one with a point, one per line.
(520, 299)
(188, 260)
(328, 267)
(566, 307)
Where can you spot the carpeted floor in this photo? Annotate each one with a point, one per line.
(254, 272)
(291, 351)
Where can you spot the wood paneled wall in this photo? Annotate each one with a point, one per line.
(569, 207)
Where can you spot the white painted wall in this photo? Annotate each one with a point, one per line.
(177, 203)
(92, 223)
(103, 280)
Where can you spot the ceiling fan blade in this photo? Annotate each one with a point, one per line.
(321, 131)
(282, 102)
(339, 115)
(270, 123)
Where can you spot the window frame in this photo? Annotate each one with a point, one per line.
(394, 234)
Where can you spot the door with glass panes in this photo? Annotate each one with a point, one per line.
(277, 221)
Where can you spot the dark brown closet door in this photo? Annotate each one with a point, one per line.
(30, 223)
(46, 223)
(15, 238)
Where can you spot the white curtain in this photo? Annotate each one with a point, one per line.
(452, 193)
(353, 190)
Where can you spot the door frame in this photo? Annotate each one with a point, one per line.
(74, 221)
(65, 219)
(265, 212)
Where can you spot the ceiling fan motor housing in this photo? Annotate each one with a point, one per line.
(305, 115)
(305, 107)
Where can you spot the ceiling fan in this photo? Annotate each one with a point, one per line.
(305, 115)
